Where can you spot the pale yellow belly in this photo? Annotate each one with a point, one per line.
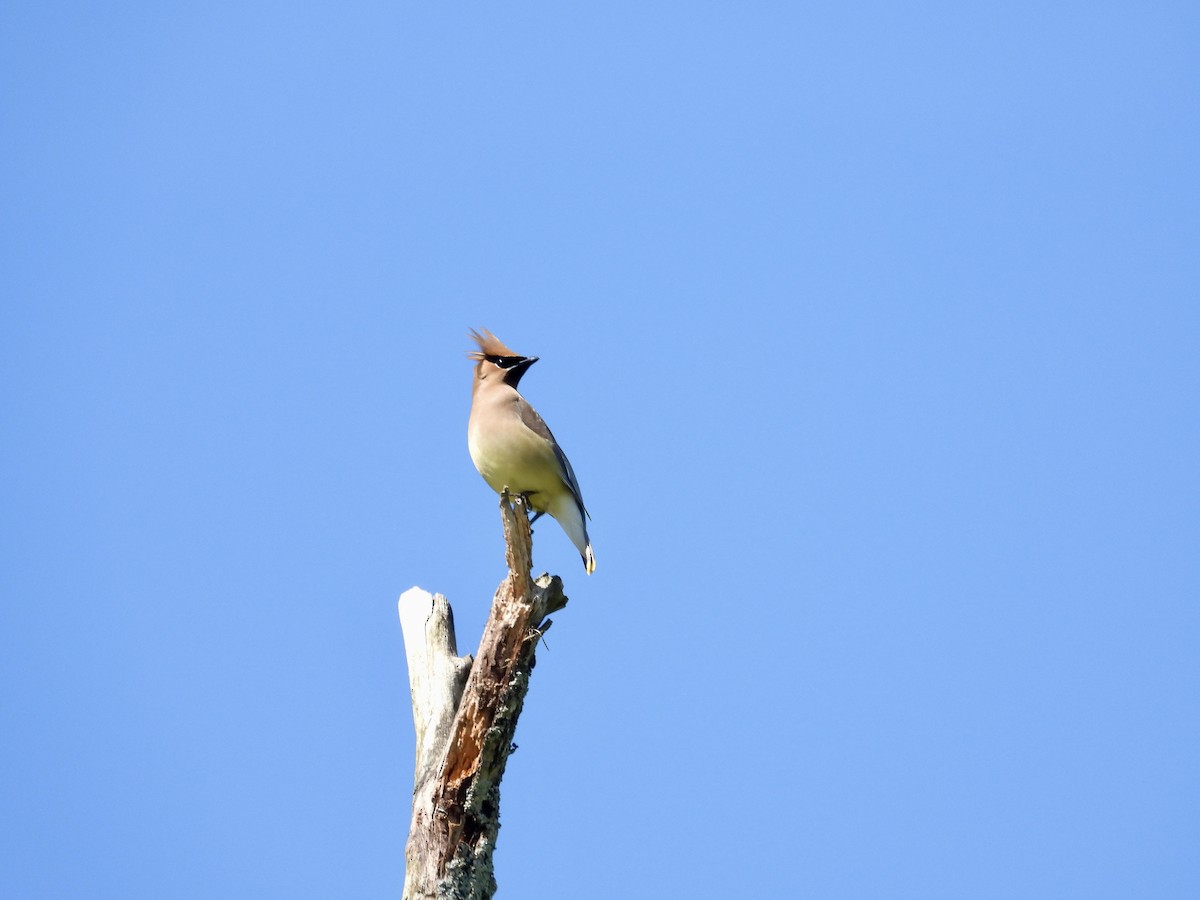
(518, 459)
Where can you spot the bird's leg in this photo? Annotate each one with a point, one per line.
(529, 508)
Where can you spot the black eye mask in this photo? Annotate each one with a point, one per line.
(505, 362)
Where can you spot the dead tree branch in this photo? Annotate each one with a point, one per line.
(465, 714)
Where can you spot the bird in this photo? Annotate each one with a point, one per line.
(513, 448)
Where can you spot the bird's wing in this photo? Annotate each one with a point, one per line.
(538, 426)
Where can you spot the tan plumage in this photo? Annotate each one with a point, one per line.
(513, 448)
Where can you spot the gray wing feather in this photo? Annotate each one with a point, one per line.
(536, 424)
(568, 474)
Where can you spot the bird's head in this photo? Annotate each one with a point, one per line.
(493, 360)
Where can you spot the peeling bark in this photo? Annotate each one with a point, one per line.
(465, 713)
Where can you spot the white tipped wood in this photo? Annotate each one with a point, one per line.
(436, 673)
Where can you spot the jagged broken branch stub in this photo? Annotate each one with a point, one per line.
(465, 713)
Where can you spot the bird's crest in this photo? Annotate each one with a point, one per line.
(489, 345)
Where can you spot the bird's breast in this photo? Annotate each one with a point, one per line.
(508, 454)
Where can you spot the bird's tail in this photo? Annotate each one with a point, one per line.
(567, 510)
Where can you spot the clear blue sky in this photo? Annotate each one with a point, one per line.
(872, 331)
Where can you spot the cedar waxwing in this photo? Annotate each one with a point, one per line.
(512, 447)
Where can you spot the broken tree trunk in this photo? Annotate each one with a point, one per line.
(465, 715)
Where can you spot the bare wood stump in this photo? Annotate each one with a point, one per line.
(465, 715)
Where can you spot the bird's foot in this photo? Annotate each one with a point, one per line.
(524, 495)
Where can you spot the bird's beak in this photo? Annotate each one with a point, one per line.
(512, 375)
